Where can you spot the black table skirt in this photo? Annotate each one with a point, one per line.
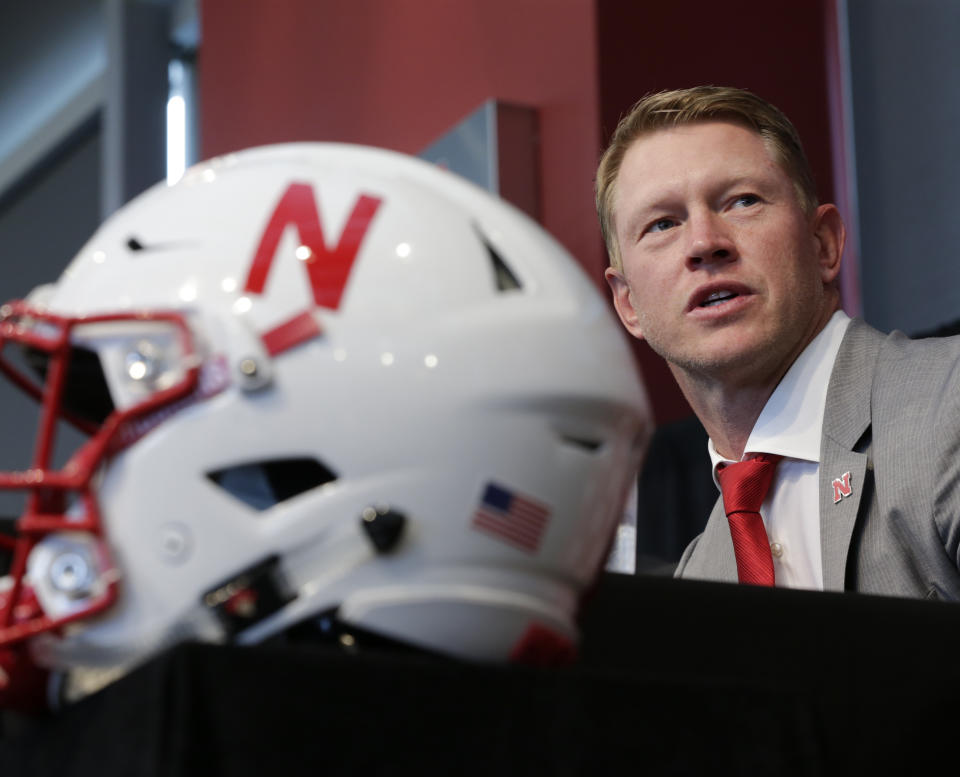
(674, 678)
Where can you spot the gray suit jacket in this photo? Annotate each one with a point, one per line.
(892, 421)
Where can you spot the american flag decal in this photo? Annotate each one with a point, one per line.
(511, 517)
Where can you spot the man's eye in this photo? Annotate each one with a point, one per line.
(661, 225)
(746, 200)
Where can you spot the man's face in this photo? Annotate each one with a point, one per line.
(723, 272)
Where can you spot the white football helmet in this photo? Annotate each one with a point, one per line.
(319, 383)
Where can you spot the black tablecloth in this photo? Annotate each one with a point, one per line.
(675, 677)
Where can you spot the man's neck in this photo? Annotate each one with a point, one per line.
(727, 413)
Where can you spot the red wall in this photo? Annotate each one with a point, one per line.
(399, 73)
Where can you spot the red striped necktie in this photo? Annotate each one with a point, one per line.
(744, 486)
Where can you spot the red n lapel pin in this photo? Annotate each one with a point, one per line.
(841, 487)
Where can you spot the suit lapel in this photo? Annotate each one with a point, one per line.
(710, 556)
(718, 533)
(846, 419)
(842, 481)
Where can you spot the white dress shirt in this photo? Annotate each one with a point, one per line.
(791, 425)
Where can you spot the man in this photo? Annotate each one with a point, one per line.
(725, 263)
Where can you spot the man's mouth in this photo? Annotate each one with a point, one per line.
(717, 297)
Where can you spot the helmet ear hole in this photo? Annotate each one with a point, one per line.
(264, 484)
(582, 442)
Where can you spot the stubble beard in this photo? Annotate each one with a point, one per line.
(753, 358)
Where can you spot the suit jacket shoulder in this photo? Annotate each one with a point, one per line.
(892, 421)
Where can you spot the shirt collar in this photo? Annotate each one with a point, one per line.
(791, 422)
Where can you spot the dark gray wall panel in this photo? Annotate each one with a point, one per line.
(905, 74)
(43, 223)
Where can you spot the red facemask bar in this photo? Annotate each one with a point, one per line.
(61, 570)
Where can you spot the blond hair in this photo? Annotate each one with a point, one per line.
(674, 108)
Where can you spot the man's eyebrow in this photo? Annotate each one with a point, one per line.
(746, 179)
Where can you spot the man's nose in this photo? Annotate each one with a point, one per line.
(710, 240)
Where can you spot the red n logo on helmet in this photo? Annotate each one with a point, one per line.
(328, 269)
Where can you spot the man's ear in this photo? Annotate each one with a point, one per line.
(830, 234)
(623, 302)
